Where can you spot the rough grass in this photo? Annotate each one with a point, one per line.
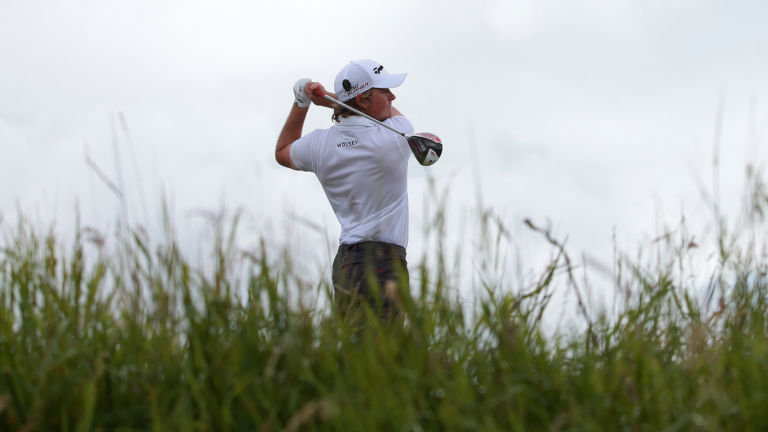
(125, 333)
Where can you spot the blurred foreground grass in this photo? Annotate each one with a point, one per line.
(125, 333)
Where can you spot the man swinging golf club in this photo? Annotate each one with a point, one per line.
(362, 167)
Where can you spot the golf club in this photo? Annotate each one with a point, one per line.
(425, 146)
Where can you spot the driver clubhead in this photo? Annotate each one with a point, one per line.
(426, 147)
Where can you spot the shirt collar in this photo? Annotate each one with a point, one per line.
(355, 120)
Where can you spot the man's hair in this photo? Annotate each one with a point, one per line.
(340, 112)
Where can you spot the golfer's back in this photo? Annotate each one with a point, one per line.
(363, 170)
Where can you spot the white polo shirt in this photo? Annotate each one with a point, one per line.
(363, 170)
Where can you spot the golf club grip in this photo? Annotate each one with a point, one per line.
(358, 112)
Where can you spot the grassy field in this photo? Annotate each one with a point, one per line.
(123, 332)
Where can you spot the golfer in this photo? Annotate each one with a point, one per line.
(362, 168)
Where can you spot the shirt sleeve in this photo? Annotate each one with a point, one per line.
(404, 125)
(303, 152)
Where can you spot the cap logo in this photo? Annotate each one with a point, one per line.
(354, 89)
(347, 85)
(377, 70)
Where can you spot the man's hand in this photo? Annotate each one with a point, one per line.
(301, 97)
(316, 91)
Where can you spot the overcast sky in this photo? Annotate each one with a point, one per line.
(596, 116)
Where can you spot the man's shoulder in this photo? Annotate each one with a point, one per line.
(400, 123)
(306, 150)
(317, 134)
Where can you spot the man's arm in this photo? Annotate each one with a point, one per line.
(294, 124)
(290, 133)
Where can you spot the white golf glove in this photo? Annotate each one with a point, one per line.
(302, 100)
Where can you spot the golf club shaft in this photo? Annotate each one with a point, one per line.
(362, 114)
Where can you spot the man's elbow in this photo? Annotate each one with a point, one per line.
(284, 159)
(280, 159)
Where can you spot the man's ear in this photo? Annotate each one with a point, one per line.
(361, 101)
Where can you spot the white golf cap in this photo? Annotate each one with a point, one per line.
(362, 75)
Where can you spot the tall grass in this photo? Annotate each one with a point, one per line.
(124, 332)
